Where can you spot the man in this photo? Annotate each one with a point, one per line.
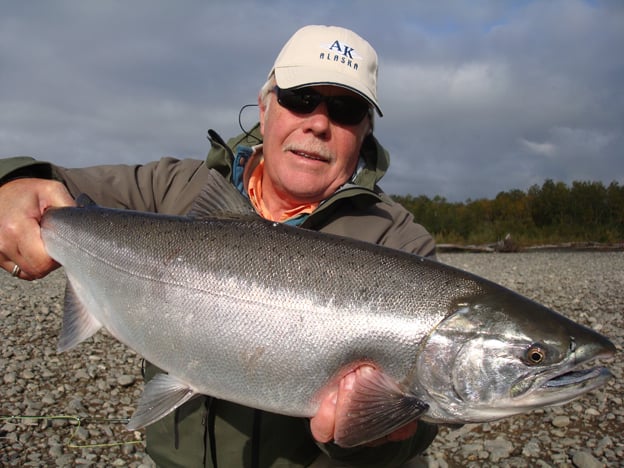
(312, 161)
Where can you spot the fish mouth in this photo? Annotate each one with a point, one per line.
(567, 386)
(596, 376)
(570, 381)
(553, 390)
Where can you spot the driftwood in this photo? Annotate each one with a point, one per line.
(464, 248)
(505, 245)
(566, 246)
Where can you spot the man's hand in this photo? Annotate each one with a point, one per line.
(322, 424)
(22, 203)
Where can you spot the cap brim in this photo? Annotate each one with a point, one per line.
(296, 77)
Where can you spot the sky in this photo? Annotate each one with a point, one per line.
(479, 97)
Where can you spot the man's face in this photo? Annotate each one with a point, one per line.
(308, 156)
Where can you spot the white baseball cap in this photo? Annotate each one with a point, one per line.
(328, 55)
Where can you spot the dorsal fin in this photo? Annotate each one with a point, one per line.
(219, 198)
(83, 200)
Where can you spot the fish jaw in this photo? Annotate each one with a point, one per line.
(501, 355)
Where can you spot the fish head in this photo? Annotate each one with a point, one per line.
(500, 354)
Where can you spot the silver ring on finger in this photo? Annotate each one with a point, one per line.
(16, 271)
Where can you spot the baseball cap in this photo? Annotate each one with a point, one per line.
(328, 55)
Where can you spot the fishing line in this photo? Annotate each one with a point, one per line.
(240, 123)
(79, 420)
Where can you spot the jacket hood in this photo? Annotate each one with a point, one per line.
(376, 161)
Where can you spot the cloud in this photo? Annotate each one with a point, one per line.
(543, 149)
(478, 97)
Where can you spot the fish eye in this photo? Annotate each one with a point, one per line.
(535, 354)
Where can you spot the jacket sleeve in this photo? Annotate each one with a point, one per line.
(405, 233)
(391, 454)
(166, 186)
(23, 166)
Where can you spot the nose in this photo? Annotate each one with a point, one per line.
(318, 121)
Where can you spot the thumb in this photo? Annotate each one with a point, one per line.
(322, 424)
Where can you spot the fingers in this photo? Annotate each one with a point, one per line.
(11, 233)
(338, 401)
(31, 255)
(403, 433)
(322, 424)
(22, 203)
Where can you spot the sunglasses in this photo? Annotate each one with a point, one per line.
(343, 110)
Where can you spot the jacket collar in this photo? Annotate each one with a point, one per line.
(231, 158)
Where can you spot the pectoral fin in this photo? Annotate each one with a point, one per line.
(78, 323)
(162, 395)
(378, 405)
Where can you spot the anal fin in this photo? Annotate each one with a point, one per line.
(378, 406)
(162, 395)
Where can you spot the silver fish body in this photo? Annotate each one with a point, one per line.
(271, 316)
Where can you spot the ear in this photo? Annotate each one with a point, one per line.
(263, 108)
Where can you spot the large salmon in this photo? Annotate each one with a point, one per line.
(269, 316)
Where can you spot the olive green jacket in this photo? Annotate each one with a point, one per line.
(209, 432)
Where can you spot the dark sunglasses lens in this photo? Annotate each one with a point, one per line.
(347, 110)
(299, 100)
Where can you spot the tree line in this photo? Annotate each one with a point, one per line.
(551, 213)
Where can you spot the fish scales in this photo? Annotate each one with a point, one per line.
(275, 305)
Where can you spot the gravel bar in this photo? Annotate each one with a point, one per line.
(70, 409)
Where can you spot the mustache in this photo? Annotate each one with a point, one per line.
(312, 148)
